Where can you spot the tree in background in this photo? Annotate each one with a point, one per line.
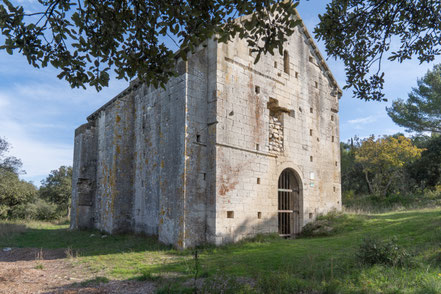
(426, 171)
(383, 161)
(422, 110)
(352, 176)
(360, 32)
(57, 188)
(13, 191)
(9, 163)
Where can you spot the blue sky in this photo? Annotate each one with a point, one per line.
(39, 113)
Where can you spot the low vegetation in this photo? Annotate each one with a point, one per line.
(20, 199)
(394, 202)
(395, 252)
(391, 173)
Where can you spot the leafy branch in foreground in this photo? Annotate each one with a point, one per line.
(361, 32)
(85, 39)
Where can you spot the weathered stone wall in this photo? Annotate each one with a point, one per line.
(250, 160)
(114, 128)
(159, 159)
(84, 177)
(146, 154)
(200, 171)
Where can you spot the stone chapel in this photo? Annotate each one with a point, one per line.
(229, 149)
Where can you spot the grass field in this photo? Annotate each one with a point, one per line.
(266, 264)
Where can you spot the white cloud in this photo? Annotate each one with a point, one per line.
(38, 157)
(4, 102)
(39, 113)
(363, 120)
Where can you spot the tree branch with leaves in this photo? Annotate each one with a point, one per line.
(86, 39)
(362, 33)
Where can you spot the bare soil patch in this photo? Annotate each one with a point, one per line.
(32, 270)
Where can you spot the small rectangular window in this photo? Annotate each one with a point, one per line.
(257, 147)
(257, 89)
(275, 64)
(332, 118)
(230, 214)
(332, 138)
(310, 215)
(258, 181)
(259, 215)
(297, 75)
(310, 132)
(311, 110)
(286, 62)
(316, 84)
(198, 138)
(204, 176)
(311, 158)
(335, 189)
(336, 163)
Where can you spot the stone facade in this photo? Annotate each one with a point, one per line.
(201, 160)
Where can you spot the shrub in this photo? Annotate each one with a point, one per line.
(24, 211)
(332, 223)
(46, 210)
(387, 252)
(430, 286)
(38, 210)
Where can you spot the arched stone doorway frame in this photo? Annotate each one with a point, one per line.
(297, 173)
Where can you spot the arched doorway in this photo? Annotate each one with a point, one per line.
(289, 204)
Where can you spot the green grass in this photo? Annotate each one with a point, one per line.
(325, 264)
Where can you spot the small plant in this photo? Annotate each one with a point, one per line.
(148, 276)
(387, 252)
(430, 286)
(39, 266)
(70, 253)
(39, 255)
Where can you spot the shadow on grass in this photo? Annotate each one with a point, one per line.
(76, 243)
(7, 230)
(29, 254)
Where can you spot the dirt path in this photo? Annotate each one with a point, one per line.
(30, 270)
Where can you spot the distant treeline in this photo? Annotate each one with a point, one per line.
(391, 169)
(20, 199)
